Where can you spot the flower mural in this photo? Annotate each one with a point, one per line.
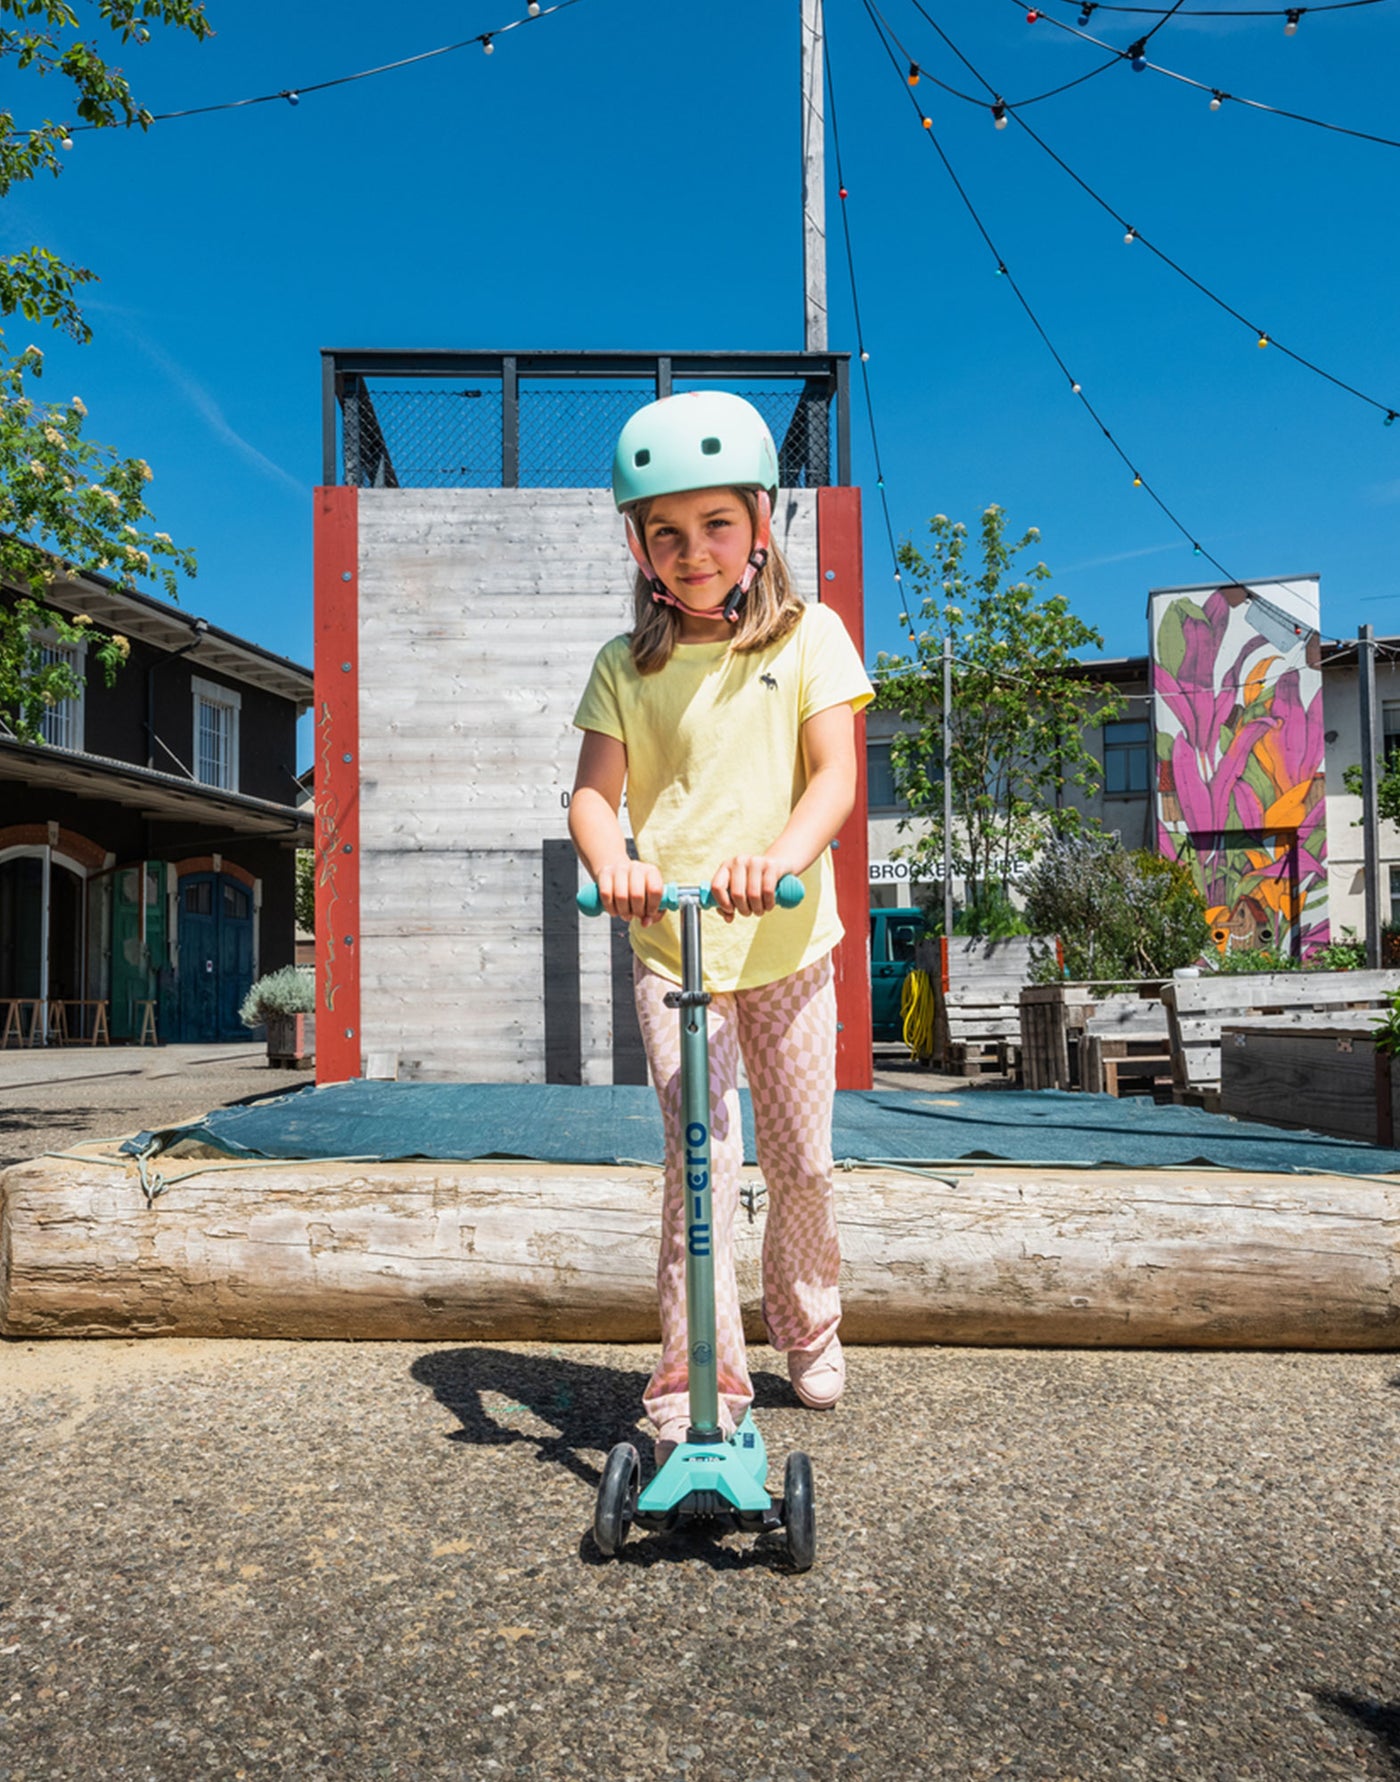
(1237, 687)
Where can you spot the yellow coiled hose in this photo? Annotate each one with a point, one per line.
(916, 1005)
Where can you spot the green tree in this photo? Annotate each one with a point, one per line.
(66, 503)
(1387, 789)
(306, 890)
(1019, 710)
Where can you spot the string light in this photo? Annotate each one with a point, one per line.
(843, 193)
(293, 95)
(1133, 234)
(1137, 480)
(928, 123)
(1137, 54)
(1087, 13)
(1217, 98)
(65, 141)
(1291, 23)
(999, 115)
(1263, 340)
(913, 76)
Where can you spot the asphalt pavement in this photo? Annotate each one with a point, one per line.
(257, 1559)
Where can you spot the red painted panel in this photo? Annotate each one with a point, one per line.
(842, 588)
(337, 571)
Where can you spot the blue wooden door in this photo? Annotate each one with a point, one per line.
(216, 956)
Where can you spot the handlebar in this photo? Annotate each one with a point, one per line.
(788, 892)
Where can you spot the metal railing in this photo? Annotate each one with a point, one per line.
(404, 420)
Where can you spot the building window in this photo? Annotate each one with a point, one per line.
(1395, 897)
(880, 794)
(215, 734)
(62, 725)
(1390, 731)
(1126, 756)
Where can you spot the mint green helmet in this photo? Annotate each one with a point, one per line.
(703, 439)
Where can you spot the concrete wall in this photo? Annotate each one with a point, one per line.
(480, 613)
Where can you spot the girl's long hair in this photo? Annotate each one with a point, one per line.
(771, 607)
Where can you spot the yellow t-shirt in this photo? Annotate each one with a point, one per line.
(714, 768)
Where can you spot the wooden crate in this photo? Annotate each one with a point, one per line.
(1054, 1018)
(1322, 1073)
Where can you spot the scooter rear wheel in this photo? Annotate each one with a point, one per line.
(617, 1498)
(799, 1512)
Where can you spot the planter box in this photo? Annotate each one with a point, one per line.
(1324, 1074)
(291, 1041)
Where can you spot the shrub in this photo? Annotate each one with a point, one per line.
(1346, 954)
(1120, 914)
(1244, 960)
(290, 991)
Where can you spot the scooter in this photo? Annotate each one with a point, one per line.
(709, 1476)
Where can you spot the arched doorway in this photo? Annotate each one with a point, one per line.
(43, 925)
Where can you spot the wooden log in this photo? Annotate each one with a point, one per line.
(493, 1251)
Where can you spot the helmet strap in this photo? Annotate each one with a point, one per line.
(758, 556)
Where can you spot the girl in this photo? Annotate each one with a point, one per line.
(728, 714)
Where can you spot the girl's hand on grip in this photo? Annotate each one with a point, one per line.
(744, 885)
(631, 890)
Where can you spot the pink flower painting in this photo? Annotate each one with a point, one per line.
(1237, 688)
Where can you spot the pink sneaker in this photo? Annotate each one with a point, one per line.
(820, 1379)
(669, 1437)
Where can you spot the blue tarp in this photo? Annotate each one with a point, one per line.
(563, 1124)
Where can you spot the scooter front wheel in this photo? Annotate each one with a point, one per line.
(617, 1498)
(799, 1512)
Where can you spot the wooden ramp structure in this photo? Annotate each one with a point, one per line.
(977, 1253)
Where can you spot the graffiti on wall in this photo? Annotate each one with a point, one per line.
(1237, 704)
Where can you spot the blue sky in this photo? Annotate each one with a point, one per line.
(627, 175)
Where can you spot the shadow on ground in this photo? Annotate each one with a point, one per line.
(1380, 1719)
(586, 1409)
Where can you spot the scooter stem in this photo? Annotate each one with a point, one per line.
(693, 1003)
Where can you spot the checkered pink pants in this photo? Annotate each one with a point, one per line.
(786, 1033)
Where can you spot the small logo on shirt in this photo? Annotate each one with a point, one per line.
(768, 681)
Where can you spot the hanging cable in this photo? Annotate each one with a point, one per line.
(294, 95)
(860, 334)
(1263, 337)
(1139, 481)
(1218, 95)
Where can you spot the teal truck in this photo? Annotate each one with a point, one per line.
(894, 934)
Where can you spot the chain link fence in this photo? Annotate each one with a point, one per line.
(453, 432)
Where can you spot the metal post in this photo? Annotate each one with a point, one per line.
(947, 787)
(813, 179)
(510, 423)
(1370, 816)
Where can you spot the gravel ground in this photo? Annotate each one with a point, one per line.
(52, 1099)
(249, 1559)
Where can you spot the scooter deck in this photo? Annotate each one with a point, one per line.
(710, 1479)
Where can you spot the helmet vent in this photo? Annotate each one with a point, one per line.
(641, 457)
(710, 446)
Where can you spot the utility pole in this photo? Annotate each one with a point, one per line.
(813, 180)
(947, 786)
(1370, 816)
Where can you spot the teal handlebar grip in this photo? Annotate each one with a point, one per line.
(788, 892)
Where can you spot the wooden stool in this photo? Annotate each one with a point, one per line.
(14, 1021)
(147, 1035)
